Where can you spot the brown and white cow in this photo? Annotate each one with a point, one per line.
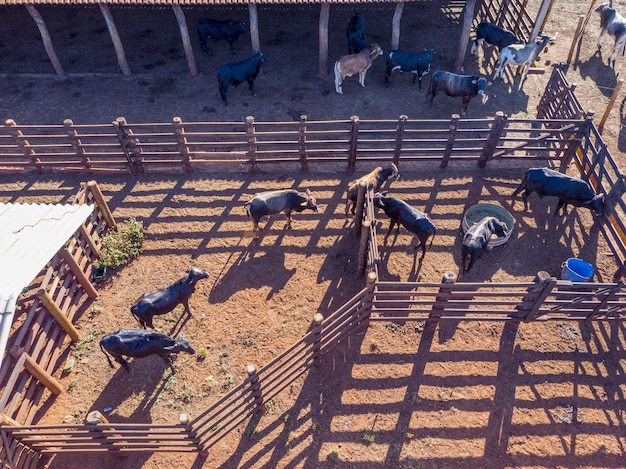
(349, 65)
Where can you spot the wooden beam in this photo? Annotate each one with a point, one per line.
(254, 28)
(115, 37)
(542, 15)
(184, 34)
(38, 372)
(47, 41)
(323, 32)
(58, 315)
(395, 26)
(71, 262)
(102, 205)
(465, 34)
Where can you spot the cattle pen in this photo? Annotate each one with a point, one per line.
(566, 139)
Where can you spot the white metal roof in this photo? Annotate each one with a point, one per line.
(30, 235)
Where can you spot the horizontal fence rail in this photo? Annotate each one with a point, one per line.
(187, 146)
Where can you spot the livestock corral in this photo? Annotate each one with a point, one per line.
(397, 394)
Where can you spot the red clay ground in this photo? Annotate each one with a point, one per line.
(398, 396)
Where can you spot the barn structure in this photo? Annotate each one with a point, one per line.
(511, 14)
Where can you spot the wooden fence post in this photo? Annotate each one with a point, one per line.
(492, 140)
(454, 125)
(82, 279)
(76, 143)
(255, 387)
(323, 39)
(102, 205)
(609, 106)
(184, 34)
(354, 139)
(536, 295)
(317, 341)
(576, 39)
(48, 302)
(366, 311)
(365, 234)
(445, 291)
(304, 165)
(24, 145)
(115, 38)
(181, 140)
(399, 135)
(45, 37)
(37, 371)
(251, 143)
(130, 145)
(574, 143)
(360, 207)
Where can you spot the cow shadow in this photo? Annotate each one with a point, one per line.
(604, 76)
(253, 269)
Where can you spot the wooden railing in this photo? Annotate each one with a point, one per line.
(185, 147)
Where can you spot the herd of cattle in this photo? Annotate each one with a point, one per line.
(361, 54)
(138, 343)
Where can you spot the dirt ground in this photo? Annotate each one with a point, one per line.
(469, 394)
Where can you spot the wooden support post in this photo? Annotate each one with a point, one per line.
(95, 250)
(181, 140)
(445, 291)
(76, 143)
(399, 136)
(354, 139)
(254, 27)
(37, 371)
(87, 286)
(365, 234)
(359, 208)
(542, 15)
(454, 125)
(492, 140)
(304, 165)
(184, 34)
(252, 146)
(609, 106)
(536, 295)
(45, 37)
(24, 145)
(48, 302)
(366, 310)
(323, 39)
(576, 39)
(130, 145)
(574, 143)
(395, 26)
(468, 18)
(102, 205)
(317, 341)
(255, 388)
(115, 37)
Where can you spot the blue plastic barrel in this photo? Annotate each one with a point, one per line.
(576, 270)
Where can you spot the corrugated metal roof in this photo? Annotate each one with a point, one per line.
(183, 3)
(30, 235)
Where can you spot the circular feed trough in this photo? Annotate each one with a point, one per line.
(477, 212)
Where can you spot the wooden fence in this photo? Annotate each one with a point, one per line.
(185, 147)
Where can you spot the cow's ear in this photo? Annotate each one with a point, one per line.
(384, 193)
(474, 81)
(308, 192)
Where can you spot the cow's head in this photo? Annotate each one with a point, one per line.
(181, 345)
(374, 51)
(310, 202)
(596, 205)
(379, 199)
(498, 227)
(395, 173)
(241, 28)
(480, 82)
(196, 274)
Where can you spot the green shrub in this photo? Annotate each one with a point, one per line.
(121, 246)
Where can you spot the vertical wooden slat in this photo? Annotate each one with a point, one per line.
(399, 136)
(181, 140)
(465, 34)
(252, 145)
(323, 39)
(45, 36)
(115, 37)
(184, 34)
(304, 165)
(395, 25)
(354, 139)
(454, 125)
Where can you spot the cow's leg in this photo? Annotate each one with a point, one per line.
(223, 94)
(120, 359)
(601, 38)
(251, 86)
(170, 362)
(148, 322)
(232, 47)
(388, 231)
(203, 46)
(255, 229)
(465, 105)
(185, 303)
(362, 77)
(560, 205)
(338, 80)
(464, 254)
(525, 198)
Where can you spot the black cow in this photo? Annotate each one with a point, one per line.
(418, 64)
(374, 179)
(466, 86)
(615, 24)
(237, 72)
(139, 343)
(477, 237)
(569, 190)
(165, 299)
(218, 29)
(272, 202)
(357, 40)
(401, 213)
(494, 35)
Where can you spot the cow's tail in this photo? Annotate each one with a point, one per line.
(432, 238)
(247, 208)
(520, 187)
(106, 354)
